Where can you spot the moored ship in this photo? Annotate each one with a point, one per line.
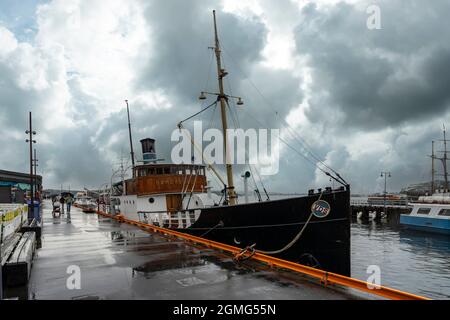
(313, 229)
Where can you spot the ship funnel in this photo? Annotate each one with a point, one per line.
(148, 150)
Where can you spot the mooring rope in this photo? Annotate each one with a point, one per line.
(297, 237)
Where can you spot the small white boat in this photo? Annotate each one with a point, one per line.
(87, 204)
(430, 213)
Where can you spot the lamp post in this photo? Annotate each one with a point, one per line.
(30, 140)
(385, 174)
(36, 183)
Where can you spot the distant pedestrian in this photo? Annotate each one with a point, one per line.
(69, 201)
(61, 200)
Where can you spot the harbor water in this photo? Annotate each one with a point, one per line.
(412, 261)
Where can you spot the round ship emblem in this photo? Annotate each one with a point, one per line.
(320, 209)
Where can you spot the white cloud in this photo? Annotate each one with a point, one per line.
(103, 45)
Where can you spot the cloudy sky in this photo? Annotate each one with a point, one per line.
(365, 100)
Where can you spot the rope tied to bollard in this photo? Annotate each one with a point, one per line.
(324, 279)
(243, 254)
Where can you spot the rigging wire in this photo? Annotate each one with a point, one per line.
(296, 137)
(209, 70)
(196, 114)
(235, 118)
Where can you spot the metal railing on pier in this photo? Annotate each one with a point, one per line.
(366, 203)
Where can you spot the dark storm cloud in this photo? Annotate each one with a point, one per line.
(182, 31)
(181, 64)
(378, 77)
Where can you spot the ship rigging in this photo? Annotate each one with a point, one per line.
(312, 229)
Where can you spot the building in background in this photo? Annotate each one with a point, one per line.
(15, 186)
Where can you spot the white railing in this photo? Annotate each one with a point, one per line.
(391, 203)
(12, 217)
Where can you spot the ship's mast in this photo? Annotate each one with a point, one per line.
(221, 73)
(131, 140)
(444, 161)
(432, 167)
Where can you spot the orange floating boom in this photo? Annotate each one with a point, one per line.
(323, 276)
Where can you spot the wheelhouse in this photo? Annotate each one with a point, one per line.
(166, 178)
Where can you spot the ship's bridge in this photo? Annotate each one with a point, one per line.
(166, 178)
(169, 169)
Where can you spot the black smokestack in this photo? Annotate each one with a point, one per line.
(148, 150)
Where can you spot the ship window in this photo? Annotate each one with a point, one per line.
(444, 212)
(166, 170)
(151, 200)
(423, 211)
(159, 171)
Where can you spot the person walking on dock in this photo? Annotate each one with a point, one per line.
(61, 200)
(69, 201)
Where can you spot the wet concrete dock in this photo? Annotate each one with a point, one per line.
(119, 261)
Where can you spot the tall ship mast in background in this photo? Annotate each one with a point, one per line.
(432, 213)
(443, 159)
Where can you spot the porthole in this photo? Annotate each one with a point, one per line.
(151, 200)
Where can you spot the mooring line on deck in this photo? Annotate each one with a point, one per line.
(331, 278)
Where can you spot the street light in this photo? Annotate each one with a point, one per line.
(203, 95)
(30, 140)
(385, 174)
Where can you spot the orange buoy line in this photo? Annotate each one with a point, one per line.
(323, 276)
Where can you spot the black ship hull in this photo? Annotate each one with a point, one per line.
(273, 225)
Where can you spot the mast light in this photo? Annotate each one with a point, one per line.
(202, 96)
